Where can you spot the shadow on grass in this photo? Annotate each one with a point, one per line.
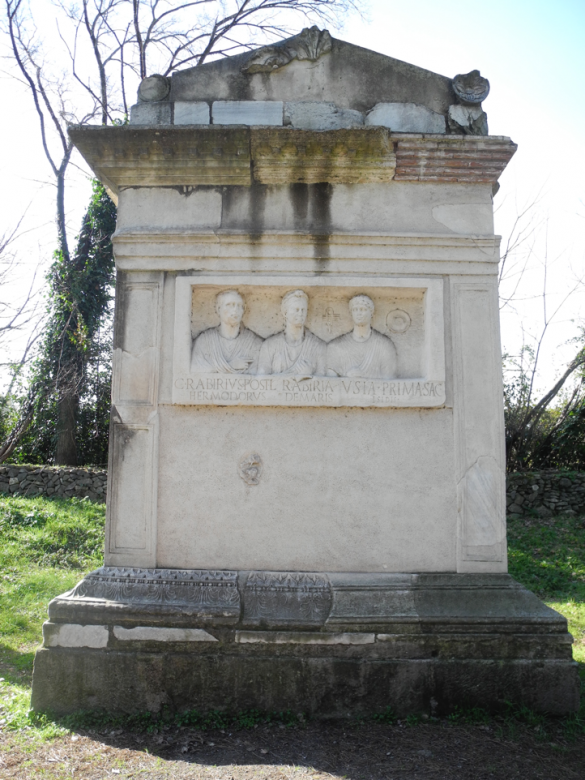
(16, 666)
(353, 748)
(548, 556)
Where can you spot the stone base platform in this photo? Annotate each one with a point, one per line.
(328, 645)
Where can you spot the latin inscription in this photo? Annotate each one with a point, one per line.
(316, 391)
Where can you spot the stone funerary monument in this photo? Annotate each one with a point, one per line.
(306, 499)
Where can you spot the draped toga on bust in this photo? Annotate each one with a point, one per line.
(374, 358)
(306, 358)
(214, 354)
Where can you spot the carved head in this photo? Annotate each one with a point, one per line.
(230, 307)
(361, 308)
(471, 88)
(294, 306)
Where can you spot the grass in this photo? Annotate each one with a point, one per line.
(47, 545)
(548, 557)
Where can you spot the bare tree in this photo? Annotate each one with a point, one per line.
(529, 424)
(128, 39)
(19, 314)
(131, 39)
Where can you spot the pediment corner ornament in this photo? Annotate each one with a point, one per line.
(471, 88)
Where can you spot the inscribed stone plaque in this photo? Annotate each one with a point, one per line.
(309, 342)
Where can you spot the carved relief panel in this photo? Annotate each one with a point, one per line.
(311, 342)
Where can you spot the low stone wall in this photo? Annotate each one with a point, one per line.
(546, 493)
(54, 481)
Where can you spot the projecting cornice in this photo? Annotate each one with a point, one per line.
(219, 155)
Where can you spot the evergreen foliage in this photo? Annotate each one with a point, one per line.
(74, 356)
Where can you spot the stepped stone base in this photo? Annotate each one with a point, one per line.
(329, 644)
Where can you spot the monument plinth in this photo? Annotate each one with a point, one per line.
(306, 502)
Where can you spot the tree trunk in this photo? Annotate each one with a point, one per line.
(66, 450)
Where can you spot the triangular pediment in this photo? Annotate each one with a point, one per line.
(313, 66)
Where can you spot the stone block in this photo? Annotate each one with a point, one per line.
(73, 635)
(154, 634)
(151, 114)
(191, 113)
(311, 115)
(469, 120)
(394, 640)
(247, 112)
(406, 118)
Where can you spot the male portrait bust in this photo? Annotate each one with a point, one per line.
(363, 352)
(230, 348)
(295, 350)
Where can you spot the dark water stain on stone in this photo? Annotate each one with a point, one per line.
(256, 209)
(299, 195)
(320, 202)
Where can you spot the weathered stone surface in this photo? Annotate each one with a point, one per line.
(300, 638)
(347, 75)
(157, 634)
(247, 112)
(154, 88)
(202, 592)
(151, 114)
(132, 156)
(310, 44)
(193, 113)
(310, 115)
(321, 686)
(452, 159)
(73, 635)
(406, 118)
(469, 120)
(471, 88)
(167, 156)
(307, 157)
(382, 640)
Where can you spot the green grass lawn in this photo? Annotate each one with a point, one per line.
(47, 545)
(548, 557)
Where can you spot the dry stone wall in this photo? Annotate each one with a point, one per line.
(546, 493)
(54, 481)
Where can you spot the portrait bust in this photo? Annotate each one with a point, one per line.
(363, 352)
(295, 350)
(230, 348)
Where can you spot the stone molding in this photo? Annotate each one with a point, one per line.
(469, 160)
(309, 157)
(135, 156)
(209, 591)
(286, 597)
(175, 250)
(335, 601)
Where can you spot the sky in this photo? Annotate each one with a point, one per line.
(533, 54)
